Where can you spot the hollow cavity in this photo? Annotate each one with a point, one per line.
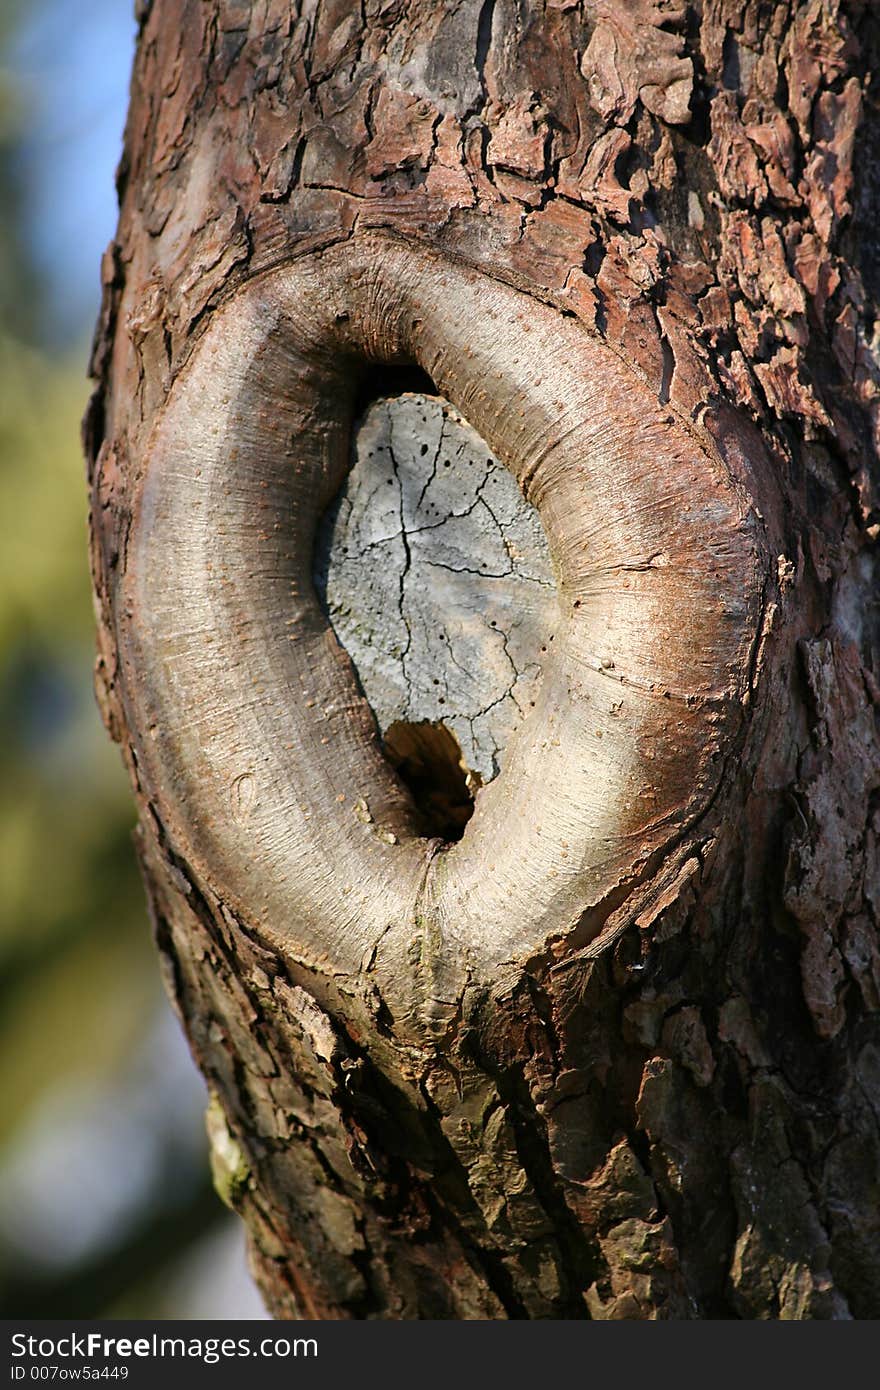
(435, 574)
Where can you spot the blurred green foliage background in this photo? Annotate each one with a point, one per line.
(105, 1202)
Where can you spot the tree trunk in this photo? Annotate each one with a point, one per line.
(613, 1050)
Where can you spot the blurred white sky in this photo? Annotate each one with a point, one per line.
(71, 61)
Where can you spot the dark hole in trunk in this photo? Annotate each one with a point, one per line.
(426, 755)
(382, 380)
(428, 759)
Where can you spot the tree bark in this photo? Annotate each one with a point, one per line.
(614, 1053)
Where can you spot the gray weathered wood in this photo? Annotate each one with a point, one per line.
(436, 576)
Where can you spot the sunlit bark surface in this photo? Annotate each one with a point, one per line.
(585, 1025)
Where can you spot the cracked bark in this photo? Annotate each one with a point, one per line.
(669, 1108)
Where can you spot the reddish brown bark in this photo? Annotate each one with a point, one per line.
(674, 1114)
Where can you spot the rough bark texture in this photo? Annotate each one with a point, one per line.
(672, 1109)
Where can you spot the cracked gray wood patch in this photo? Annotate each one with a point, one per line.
(437, 579)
